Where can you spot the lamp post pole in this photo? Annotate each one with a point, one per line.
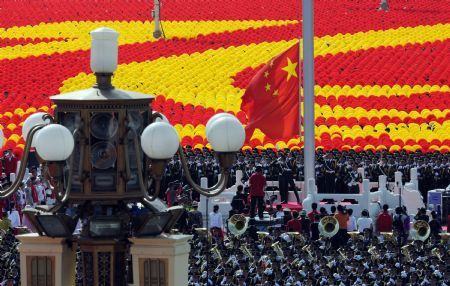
(308, 88)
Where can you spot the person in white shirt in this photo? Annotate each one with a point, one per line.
(364, 222)
(13, 216)
(216, 222)
(351, 223)
(279, 215)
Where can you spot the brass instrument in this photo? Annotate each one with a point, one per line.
(232, 260)
(328, 226)
(388, 236)
(342, 254)
(354, 235)
(238, 224)
(374, 252)
(420, 230)
(216, 252)
(436, 253)
(406, 252)
(445, 237)
(307, 249)
(262, 234)
(277, 248)
(228, 243)
(246, 251)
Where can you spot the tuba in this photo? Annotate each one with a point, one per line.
(328, 226)
(420, 230)
(237, 224)
(277, 248)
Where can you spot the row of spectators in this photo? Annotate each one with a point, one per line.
(336, 171)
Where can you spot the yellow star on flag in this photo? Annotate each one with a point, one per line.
(267, 87)
(275, 93)
(291, 69)
(266, 74)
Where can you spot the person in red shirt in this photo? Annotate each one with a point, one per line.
(384, 220)
(257, 184)
(314, 212)
(294, 223)
(9, 163)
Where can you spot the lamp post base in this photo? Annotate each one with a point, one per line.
(45, 260)
(160, 260)
(103, 262)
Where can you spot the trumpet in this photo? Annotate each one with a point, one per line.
(277, 248)
(216, 252)
(420, 230)
(328, 226)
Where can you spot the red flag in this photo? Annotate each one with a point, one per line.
(271, 100)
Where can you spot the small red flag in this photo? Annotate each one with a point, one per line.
(271, 100)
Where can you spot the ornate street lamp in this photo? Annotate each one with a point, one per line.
(91, 153)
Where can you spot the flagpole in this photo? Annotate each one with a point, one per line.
(308, 90)
(300, 90)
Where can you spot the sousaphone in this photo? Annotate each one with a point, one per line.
(420, 230)
(238, 224)
(328, 226)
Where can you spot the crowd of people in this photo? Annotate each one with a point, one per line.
(293, 251)
(296, 252)
(335, 171)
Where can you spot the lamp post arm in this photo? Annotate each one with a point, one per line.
(23, 166)
(207, 192)
(146, 197)
(60, 196)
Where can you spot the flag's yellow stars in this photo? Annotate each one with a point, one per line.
(291, 69)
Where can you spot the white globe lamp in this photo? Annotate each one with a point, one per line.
(164, 118)
(54, 143)
(214, 118)
(33, 120)
(226, 134)
(160, 141)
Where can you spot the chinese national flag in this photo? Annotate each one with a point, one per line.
(271, 100)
